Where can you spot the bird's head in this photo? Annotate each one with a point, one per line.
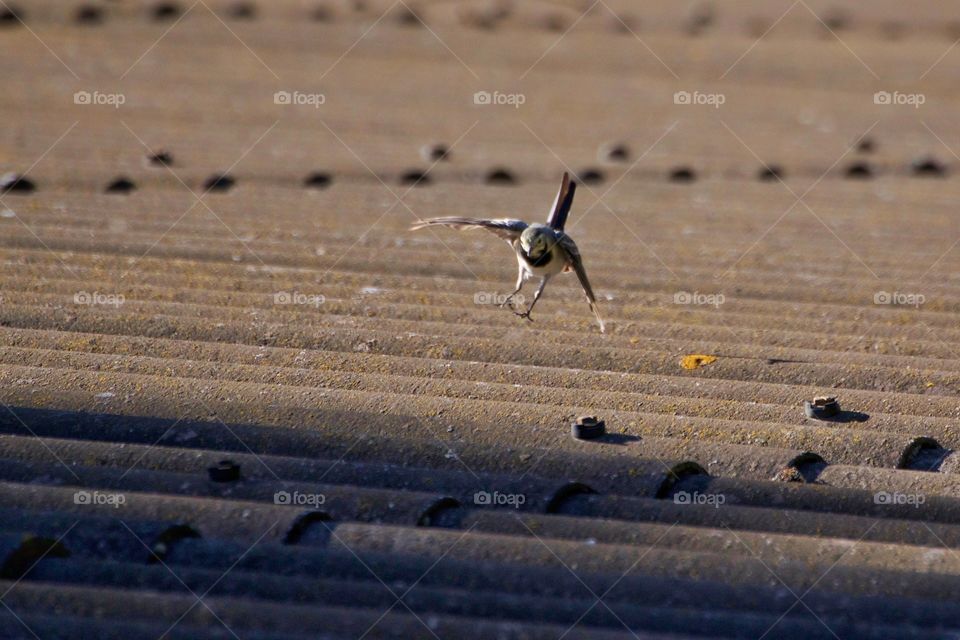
(534, 241)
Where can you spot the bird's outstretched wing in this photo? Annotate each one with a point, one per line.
(506, 228)
(575, 262)
(561, 206)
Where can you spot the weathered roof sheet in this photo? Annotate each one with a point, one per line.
(241, 399)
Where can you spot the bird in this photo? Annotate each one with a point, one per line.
(543, 250)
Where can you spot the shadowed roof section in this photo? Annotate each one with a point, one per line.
(243, 399)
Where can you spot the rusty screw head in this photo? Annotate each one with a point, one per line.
(435, 152)
(821, 407)
(225, 471)
(588, 428)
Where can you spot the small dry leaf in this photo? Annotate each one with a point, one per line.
(696, 360)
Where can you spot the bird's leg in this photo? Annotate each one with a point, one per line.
(536, 296)
(509, 299)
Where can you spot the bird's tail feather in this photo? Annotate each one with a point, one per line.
(561, 205)
(596, 312)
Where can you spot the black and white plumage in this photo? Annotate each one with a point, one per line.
(543, 250)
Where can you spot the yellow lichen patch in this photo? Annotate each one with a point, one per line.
(696, 360)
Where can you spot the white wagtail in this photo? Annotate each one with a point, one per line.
(543, 250)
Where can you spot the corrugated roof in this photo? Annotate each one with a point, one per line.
(241, 399)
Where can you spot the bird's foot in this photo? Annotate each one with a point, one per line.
(524, 314)
(507, 303)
